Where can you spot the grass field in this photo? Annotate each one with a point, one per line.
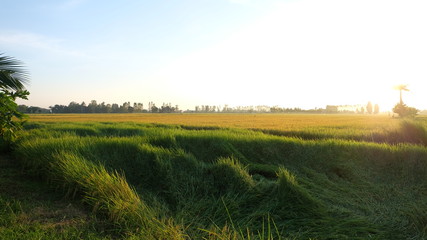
(211, 176)
(377, 128)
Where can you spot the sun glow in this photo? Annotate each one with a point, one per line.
(309, 54)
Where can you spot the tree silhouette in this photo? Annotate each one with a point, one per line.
(402, 87)
(402, 109)
(369, 107)
(376, 109)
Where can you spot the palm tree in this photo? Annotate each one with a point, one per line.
(12, 75)
(12, 78)
(402, 87)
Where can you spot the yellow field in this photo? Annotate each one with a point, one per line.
(281, 122)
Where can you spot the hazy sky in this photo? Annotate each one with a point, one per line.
(294, 53)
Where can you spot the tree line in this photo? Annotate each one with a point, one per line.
(127, 107)
(359, 109)
(94, 107)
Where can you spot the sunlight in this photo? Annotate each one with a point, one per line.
(319, 57)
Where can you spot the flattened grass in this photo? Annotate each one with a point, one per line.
(168, 181)
(29, 209)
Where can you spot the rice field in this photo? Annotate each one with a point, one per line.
(231, 176)
(376, 128)
(283, 122)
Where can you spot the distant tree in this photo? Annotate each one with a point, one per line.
(369, 108)
(402, 109)
(150, 106)
(165, 109)
(58, 108)
(101, 108)
(91, 107)
(115, 108)
(225, 109)
(83, 107)
(23, 108)
(401, 88)
(362, 110)
(34, 110)
(154, 109)
(376, 109)
(137, 107)
(74, 107)
(124, 108)
(108, 108)
(130, 109)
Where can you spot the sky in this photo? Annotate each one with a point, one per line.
(287, 53)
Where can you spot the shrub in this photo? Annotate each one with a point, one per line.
(404, 111)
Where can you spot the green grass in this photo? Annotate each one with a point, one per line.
(173, 182)
(29, 209)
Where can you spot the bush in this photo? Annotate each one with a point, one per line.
(9, 114)
(405, 111)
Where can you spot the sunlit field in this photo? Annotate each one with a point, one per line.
(307, 126)
(237, 176)
(283, 122)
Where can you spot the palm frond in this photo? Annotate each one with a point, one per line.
(13, 76)
(401, 87)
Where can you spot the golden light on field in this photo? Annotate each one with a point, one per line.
(282, 122)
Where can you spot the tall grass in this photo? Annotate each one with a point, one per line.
(169, 182)
(108, 193)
